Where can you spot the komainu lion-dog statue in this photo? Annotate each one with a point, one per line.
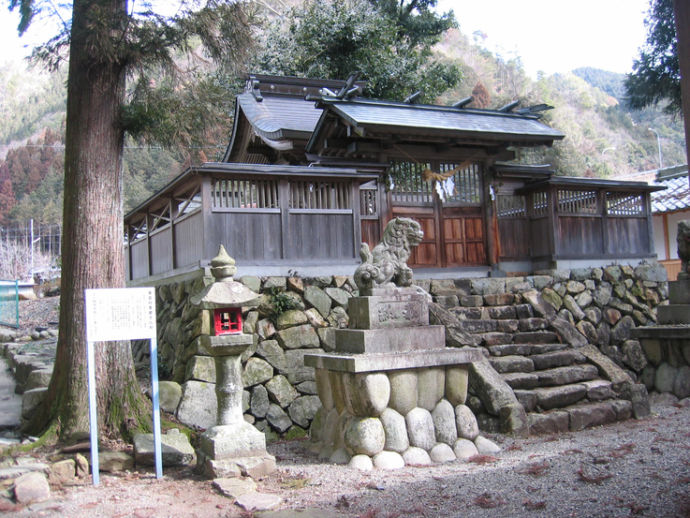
(386, 265)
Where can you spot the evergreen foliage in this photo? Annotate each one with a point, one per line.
(656, 74)
(390, 44)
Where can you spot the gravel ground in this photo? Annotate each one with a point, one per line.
(632, 468)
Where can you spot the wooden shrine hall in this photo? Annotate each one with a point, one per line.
(313, 169)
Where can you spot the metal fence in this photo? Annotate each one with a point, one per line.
(9, 303)
(29, 248)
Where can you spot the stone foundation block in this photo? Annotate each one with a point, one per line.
(593, 414)
(549, 422)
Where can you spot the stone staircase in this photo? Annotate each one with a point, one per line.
(562, 386)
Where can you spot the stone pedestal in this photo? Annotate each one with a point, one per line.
(667, 345)
(233, 447)
(392, 392)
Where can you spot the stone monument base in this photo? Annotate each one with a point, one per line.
(234, 450)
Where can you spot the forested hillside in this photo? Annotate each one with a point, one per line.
(603, 137)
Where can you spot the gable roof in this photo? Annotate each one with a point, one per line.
(299, 115)
(279, 117)
(675, 197)
(440, 120)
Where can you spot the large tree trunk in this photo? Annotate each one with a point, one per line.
(92, 255)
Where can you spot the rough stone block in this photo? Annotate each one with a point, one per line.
(281, 391)
(115, 461)
(494, 392)
(566, 375)
(559, 397)
(512, 364)
(201, 368)
(457, 379)
(365, 436)
(62, 472)
(464, 449)
(445, 428)
(175, 449)
(556, 359)
(197, 406)
(303, 336)
(420, 428)
(291, 318)
(527, 399)
(232, 441)
(31, 399)
(414, 456)
(319, 299)
(31, 487)
(521, 380)
(500, 299)
(169, 394)
(256, 371)
(388, 460)
(471, 301)
(303, 409)
(404, 390)
(431, 384)
(665, 377)
(442, 453)
(681, 385)
(401, 339)
(548, 422)
(592, 414)
(395, 431)
(598, 390)
(366, 394)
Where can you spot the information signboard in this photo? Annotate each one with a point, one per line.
(121, 314)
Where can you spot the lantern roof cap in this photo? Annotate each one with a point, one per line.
(223, 292)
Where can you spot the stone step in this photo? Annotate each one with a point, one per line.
(496, 338)
(502, 312)
(525, 349)
(580, 416)
(547, 398)
(536, 337)
(533, 324)
(567, 375)
(478, 326)
(599, 390)
(511, 364)
(532, 397)
(521, 380)
(557, 359)
(468, 313)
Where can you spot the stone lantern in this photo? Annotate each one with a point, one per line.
(233, 447)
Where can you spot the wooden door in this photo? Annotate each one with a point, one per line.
(453, 228)
(463, 237)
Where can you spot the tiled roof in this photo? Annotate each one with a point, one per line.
(443, 119)
(281, 116)
(278, 117)
(675, 197)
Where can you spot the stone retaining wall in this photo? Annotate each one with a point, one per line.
(297, 316)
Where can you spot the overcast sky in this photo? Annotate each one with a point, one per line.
(557, 35)
(548, 35)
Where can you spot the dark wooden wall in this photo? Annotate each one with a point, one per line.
(258, 220)
(586, 223)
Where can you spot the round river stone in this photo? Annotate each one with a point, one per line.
(365, 436)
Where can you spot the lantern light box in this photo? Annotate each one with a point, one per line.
(227, 321)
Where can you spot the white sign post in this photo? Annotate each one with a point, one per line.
(121, 314)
